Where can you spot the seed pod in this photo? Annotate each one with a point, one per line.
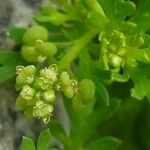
(27, 92)
(68, 91)
(87, 90)
(33, 34)
(49, 96)
(64, 79)
(29, 54)
(47, 49)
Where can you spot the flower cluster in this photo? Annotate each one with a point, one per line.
(36, 48)
(38, 89)
(114, 49)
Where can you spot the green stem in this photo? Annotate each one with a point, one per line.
(74, 51)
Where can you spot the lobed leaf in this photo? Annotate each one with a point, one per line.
(8, 62)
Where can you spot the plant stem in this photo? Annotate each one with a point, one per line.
(74, 51)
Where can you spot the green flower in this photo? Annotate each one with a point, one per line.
(27, 92)
(43, 110)
(25, 76)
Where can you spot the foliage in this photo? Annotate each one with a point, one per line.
(82, 49)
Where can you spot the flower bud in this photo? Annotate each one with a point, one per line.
(49, 96)
(27, 92)
(25, 75)
(48, 75)
(29, 54)
(30, 70)
(46, 49)
(41, 84)
(115, 60)
(43, 110)
(64, 79)
(68, 91)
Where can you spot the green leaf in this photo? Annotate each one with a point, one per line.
(16, 34)
(44, 140)
(117, 9)
(115, 76)
(57, 131)
(50, 15)
(103, 112)
(99, 115)
(97, 20)
(104, 143)
(27, 144)
(8, 62)
(95, 6)
(142, 15)
(141, 82)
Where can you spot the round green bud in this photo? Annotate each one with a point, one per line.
(33, 34)
(87, 90)
(64, 79)
(115, 60)
(47, 49)
(68, 91)
(29, 54)
(49, 96)
(20, 103)
(27, 92)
